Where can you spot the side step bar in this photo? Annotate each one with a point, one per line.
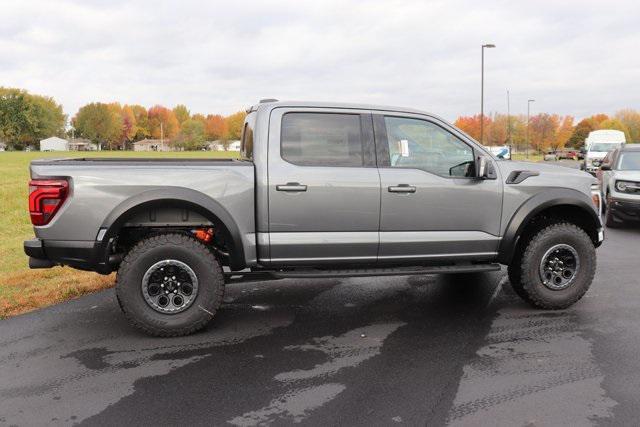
(359, 272)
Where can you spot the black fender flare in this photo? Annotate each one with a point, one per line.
(536, 204)
(170, 197)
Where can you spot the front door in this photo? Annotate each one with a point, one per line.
(324, 187)
(432, 206)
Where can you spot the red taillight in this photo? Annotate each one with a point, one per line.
(45, 198)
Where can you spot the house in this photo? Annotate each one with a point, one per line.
(153, 145)
(219, 145)
(54, 144)
(83, 144)
(234, 146)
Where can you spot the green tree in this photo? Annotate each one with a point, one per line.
(191, 136)
(99, 123)
(26, 118)
(182, 113)
(580, 133)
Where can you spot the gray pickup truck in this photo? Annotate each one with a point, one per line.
(321, 190)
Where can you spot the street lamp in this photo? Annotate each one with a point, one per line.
(488, 46)
(526, 140)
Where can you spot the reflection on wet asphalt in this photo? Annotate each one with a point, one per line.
(457, 350)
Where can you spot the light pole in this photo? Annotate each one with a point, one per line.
(508, 120)
(488, 46)
(526, 140)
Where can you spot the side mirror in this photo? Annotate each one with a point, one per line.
(605, 167)
(481, 169)
(484, 168)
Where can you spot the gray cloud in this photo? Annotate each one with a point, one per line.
(573, 57)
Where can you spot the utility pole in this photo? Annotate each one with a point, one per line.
(488, 46)
(161, 136)
(508, 120)
(529, 101)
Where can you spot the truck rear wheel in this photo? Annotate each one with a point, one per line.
(557, 267)
(170, 285)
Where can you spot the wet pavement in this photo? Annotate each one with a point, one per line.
(436, 350)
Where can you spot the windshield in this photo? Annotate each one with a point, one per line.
(630, 161)
(603, 147)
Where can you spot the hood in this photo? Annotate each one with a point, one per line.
(549, 175)
(596, 155)
(627, 175)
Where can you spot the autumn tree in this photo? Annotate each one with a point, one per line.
(563, 133)
(616, 125)
(99, 123)
(159, 116)
(543, 130)
(471, 125)
(580, 133)
(182, 113)
(142, 122)
(215, 127)
(235, 122)
(631, 119)
(129, 126)
(496, 133)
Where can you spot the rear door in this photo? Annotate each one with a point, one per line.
(324, 187)
(432, 206)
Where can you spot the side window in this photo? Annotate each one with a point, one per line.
(321, 139)
(419, 144)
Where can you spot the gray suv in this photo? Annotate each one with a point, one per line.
(322, 190)
(620, 185)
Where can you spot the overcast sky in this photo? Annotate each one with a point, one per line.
(574, 58)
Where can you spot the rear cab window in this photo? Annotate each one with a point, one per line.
(246, 144)
(322, 139)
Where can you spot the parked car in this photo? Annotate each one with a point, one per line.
(322, 191)
(620, 185)
(582, 152)
(550, 156)
(567, 154)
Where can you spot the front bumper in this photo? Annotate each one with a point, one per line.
(83, 255)
(623, 209)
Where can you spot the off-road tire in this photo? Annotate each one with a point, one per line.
(513, 272)
(539, 295)
(179, 247)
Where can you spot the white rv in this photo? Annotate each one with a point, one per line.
(598, 144)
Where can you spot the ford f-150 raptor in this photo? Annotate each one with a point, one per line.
(321, 190)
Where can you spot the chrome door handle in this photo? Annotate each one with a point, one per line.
(402, 188)
(291, 186)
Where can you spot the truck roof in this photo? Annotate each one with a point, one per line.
(605, 135)
(345, 105)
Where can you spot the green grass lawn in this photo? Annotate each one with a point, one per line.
(22, 289)
(533, 157)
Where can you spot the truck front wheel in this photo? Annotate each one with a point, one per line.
(170, 285)
(557, 267)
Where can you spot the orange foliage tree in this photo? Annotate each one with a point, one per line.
(161, 115)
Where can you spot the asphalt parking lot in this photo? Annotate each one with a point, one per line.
(434, 350)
